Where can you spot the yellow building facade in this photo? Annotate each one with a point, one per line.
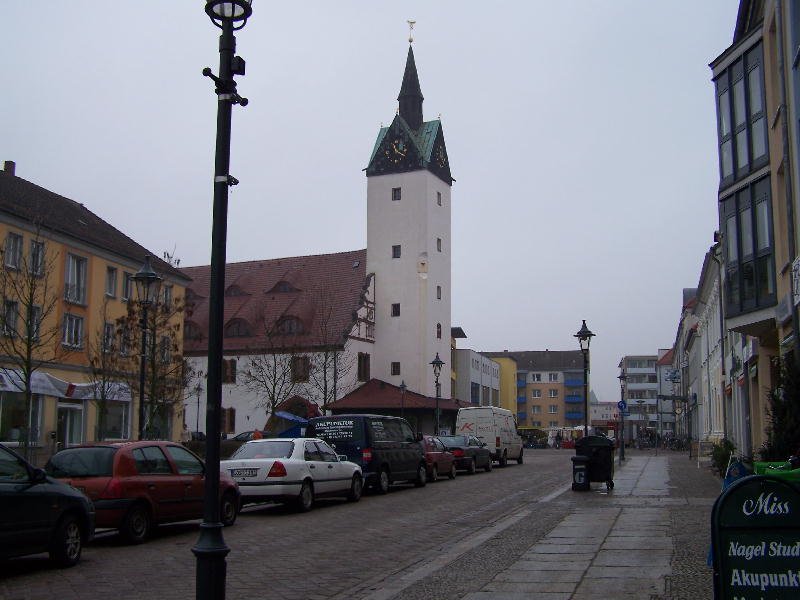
(66, 283)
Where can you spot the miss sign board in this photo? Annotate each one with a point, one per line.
(755, 527)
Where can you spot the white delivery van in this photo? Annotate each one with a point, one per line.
(495, 427)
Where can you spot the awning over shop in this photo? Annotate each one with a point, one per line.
(11, 380)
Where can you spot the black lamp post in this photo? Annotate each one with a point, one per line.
(198, 389)
(622, 378)
(585, 338)
(210, 549)
(403, 389)
(148, 287)
(437, 364)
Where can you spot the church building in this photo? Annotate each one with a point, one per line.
(307, 331)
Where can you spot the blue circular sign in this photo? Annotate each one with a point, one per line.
(622, 405)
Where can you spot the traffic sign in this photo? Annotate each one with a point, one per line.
(622, 405)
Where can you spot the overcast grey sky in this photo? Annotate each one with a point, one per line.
(581, 134)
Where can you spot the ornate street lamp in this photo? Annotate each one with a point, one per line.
(403, 389)
(198, 390)
(585, 338)
(622, 407)
(437, 364)
(148, 288)
(210, 549)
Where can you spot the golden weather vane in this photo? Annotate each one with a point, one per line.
(411, 31)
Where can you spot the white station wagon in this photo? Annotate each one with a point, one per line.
(292, 470)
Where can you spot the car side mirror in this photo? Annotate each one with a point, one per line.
(418, 437)
(38, 476)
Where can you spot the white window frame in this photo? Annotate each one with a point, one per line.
(111, 282)
(10, 318)
(36, 261)
(75, 279)
(73, 331)
(13, 250)
(552, 409)
(552, 393)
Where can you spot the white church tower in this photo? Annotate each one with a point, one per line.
(408, 245)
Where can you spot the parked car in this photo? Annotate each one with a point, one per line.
(136, 485)
(470, 453)
(386, 448)
(437, 458)
(496, 427)
(40, 514)
(246, 436)
(292, 470)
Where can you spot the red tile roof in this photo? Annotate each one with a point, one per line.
(377, 394)
(667, 358)
(322, 291)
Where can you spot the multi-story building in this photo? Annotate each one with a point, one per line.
(67, 284)
(478, 378)
(549, 387)
(757, 91)
(668, 390)
(641, 394)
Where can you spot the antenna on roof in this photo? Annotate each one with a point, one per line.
(411, 31)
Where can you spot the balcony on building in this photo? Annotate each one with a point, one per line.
(521, 382)
(522, 399)
(573, 399)
(521, 416)
(573, 382)
(574, 416)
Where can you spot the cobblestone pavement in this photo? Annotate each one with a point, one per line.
(447, 541)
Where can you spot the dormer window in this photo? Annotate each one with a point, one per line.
(191, 331)
(234, 290)
(290, 325)
(237, 328)
(283, 287)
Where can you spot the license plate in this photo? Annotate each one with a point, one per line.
(244, 472)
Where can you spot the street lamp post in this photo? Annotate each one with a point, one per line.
(210, 549)
(585, 339)
(437, 364)
(403, 388)
(622, 378)
(148, 287)
(198, 389)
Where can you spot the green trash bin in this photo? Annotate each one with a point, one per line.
(600, 452)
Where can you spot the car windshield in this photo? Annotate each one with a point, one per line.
(267, 449)
(454, 440)
(81, 462)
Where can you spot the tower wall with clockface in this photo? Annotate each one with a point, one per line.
(410, 210)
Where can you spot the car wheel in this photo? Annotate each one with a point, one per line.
(519, 458)
(452, 473)
(383, 482)
(434, 473)
(305, 500)
(472, 467)
(136, 525)
(228, 509)
(503, 460)
(422, 476)
(65, 548)
(488, 467)
(356, 488)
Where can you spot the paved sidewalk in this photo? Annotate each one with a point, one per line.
(646, 539)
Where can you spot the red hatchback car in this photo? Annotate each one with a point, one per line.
(437, 459)
(137, 485)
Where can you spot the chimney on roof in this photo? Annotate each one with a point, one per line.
(9, 167)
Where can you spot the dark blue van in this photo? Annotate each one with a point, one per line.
(386, 448)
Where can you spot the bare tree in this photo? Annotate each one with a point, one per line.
(331, 366)
(29, 331)
(108, 371)
(270, 374)
(166, 371)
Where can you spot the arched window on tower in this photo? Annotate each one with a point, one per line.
(438, 331)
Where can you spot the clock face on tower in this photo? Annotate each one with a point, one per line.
(441, 157)
(396, 151)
